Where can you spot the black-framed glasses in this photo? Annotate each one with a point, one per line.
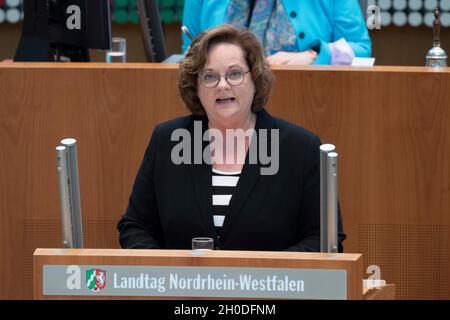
(233, 77)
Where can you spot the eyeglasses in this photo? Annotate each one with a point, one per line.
(233, 77)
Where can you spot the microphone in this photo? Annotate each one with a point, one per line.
(185, 30)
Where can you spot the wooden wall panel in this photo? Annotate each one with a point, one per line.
(390, 126)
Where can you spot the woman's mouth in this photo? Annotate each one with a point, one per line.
(225, 100)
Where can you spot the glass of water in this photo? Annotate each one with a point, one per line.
(118, 52)
(203, 243)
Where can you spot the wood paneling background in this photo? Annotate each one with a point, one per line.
(390, 126)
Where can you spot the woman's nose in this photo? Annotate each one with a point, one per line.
(223, 83)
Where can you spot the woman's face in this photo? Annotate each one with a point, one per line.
(226, 104)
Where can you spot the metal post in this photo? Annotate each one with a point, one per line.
(324, 150)
(72, 165)
(64, 193)
(332, 162)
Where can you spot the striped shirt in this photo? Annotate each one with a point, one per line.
(223, 185)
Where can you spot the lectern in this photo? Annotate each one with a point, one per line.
(185, 274)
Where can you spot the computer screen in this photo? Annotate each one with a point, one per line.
(64, 30)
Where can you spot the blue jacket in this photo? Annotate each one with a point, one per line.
(317, 22)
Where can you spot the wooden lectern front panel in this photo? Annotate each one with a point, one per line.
(291, 262)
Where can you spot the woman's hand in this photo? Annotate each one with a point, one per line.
(300, 58)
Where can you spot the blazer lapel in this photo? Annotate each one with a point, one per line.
(201, 175)
(247, 181)
(201, 178)
(249, 176)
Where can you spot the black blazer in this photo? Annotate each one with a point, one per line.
(171, 204)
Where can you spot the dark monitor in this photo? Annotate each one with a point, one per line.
(64, 30)
(152, 32)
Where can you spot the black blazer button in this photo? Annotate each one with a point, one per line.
(293, 14)
(301, 35)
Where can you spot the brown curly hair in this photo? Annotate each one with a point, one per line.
(196, 57)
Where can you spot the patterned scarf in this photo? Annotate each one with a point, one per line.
(269, 22)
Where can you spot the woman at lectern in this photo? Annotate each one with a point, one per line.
(230, 170)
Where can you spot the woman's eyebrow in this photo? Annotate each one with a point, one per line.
(229, 67)
(234, 65)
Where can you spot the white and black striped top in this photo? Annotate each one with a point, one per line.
(223, 185)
